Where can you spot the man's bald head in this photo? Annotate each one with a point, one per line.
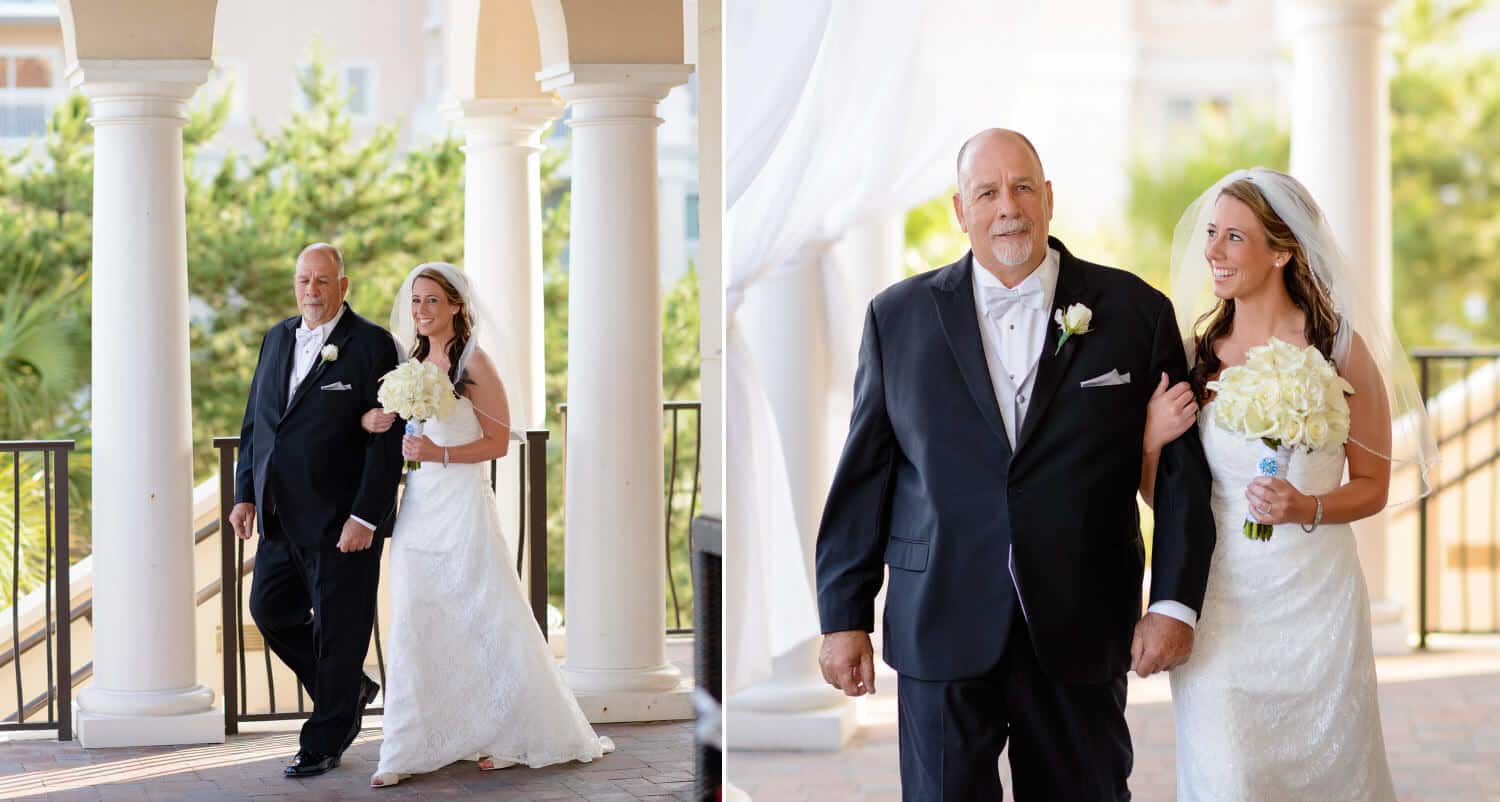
(1003, 202)
(323, 250)
(320, 283)
(996, 134)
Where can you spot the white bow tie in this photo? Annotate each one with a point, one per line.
(999, 300)
(306, 335)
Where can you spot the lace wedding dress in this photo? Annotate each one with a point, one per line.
(469, 673)
(1278, 701)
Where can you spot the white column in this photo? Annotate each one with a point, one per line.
(503, 257)
(711, 248)
(144, 690)
(503, 235)
(1341, 151)
(786, 320)
(867, 259)
(616, 565)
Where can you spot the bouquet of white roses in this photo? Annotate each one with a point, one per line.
(417, 391)
(1285, 397)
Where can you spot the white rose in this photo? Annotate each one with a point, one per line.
(1317, 431)
(1289, 430)
(1230, 413)
(1076, 320)
(1267, 394)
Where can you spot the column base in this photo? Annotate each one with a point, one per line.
(825, 730)
(612, 707)
(1389, 635)
(98, 730)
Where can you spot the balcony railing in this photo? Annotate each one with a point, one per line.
(532, 459)
(683, 479)
(46, 472)
(1458, 550)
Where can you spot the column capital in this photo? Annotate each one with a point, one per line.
(1328, 13)
(138, 90)
(625, 82)
(505, 122)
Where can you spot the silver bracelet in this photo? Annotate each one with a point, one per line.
(445, 456)
(1317, 516)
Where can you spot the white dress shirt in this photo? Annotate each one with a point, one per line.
(1013, 326)
(1014, 335)
(306, 351)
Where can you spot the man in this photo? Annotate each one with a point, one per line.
(325, 490)
(992, 462)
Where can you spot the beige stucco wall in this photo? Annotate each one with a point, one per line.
(392, 37)
(610, 32)
(31, 36)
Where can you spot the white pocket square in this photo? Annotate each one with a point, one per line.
(1110, 379)
(337, 386)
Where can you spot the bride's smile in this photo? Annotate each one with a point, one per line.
(1238, 252)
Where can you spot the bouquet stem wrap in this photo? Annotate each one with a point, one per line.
(1273, 461)
(414, 429)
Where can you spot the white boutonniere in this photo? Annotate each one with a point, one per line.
(1074, 321)
(330, 353)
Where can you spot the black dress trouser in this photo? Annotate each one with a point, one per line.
(1067, 742)
(315, 608)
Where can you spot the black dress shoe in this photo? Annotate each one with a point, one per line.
(307, 764)
(368, 689)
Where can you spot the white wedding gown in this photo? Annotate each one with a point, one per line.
(469, 673)
(1278, 701)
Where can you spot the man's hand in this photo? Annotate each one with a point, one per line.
(1161, 643)
(848, 662)
(355, 537)
(242, 518)
(377, 420)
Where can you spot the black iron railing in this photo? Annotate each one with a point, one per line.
(683, 466)
(46, 497)
(235, 567)
(1459, 522)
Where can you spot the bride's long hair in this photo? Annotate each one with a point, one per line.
(463, 329)
(1309, 296)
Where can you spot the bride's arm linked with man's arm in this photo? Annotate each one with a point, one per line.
(1184, 534)
(487, 395)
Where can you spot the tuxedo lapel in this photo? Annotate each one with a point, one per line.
(336, 338)
(954, 296)
(1071, 289)
(283, 365)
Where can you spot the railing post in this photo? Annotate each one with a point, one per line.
(228, 583)
(1422, 364)
(536, 457)
(64, 603)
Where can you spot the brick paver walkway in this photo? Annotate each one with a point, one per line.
(651, 761)
(1440, 712)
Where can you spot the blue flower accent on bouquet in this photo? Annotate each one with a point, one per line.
(1268, 467)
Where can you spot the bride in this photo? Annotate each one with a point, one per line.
(1279, 698)
(470, 676)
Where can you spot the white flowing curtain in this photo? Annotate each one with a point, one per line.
(845, 111)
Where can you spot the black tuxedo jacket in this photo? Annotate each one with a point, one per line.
(311, 463)
(929, 484)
